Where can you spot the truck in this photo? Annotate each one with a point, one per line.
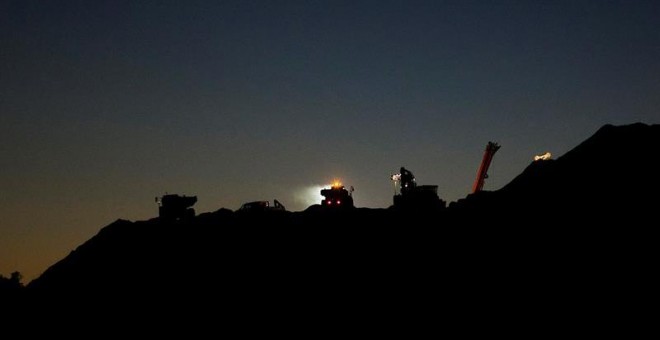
(337, 197)
(172, 207)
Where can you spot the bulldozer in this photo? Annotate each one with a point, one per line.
(337, 197)
(413, 196)
(172, 207)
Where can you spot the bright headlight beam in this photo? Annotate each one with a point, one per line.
(310, 195)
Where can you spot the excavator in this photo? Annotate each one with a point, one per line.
(413, 196)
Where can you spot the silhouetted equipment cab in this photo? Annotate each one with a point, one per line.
(262, 206)
(174, 207)
(337, 197)
(412, 195)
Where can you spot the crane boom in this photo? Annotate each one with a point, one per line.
(482, 173)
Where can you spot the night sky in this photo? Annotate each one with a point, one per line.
(106, 104)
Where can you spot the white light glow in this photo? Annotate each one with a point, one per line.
(310, 195)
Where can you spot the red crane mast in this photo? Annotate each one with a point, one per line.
(482, 174)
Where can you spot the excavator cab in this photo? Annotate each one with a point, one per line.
(407, 180)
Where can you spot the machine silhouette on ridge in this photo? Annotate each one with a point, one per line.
(412, 195)
(262, 206)
(407, 194)
(175, 207)
(337, 196)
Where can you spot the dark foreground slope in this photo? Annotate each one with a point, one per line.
(571, 227)
(248, 251)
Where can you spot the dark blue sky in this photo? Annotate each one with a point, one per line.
(106, 104)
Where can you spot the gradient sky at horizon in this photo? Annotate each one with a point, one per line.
(106, 104)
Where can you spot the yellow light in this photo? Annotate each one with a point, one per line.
(336, 184)
(544, 157)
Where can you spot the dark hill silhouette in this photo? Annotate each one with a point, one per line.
(571, 226)
(609, 176)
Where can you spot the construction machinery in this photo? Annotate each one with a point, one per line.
(482, 173)
(337, 196)
(174, 207)
(411, 195)
(262, 206)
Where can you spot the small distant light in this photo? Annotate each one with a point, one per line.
(544, 157)
(338, 202)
